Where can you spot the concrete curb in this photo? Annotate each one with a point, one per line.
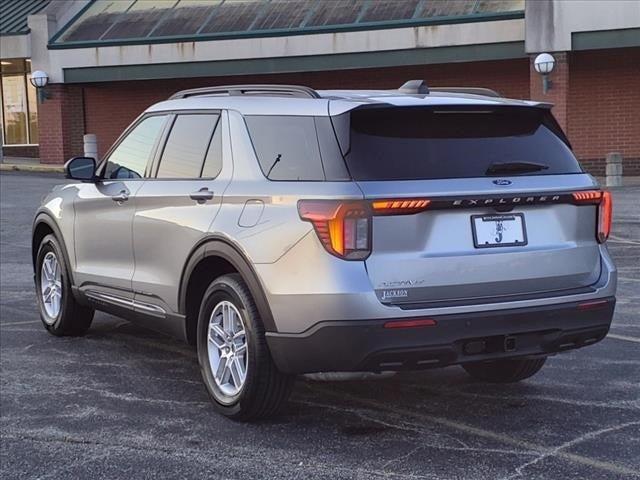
(17, 167)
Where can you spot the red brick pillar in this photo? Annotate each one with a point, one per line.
(61, 123)
(558, 93)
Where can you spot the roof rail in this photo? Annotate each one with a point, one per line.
(267, 90)
(487, 92)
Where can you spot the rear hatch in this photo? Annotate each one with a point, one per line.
(501, 222)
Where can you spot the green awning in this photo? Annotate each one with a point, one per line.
(125, 22)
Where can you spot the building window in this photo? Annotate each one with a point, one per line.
(19, 105)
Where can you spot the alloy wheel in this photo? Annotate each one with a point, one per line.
(51, 287)
(227, 348)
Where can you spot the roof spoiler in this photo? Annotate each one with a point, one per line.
(419, 87)
(487, 92)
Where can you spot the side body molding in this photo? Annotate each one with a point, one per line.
(217, 246)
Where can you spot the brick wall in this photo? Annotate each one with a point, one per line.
(604, 112)
(596, 95)
(28, 151)
(61, 124)
(111, 107)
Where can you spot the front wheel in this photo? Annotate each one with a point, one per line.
(235, 362)
(60, 313)
(508, 370)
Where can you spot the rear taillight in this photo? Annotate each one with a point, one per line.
(605, 213)
(343, 227)
(399, 206)
(605, 209)
(588, 196)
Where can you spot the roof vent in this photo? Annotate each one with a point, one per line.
(414, 87)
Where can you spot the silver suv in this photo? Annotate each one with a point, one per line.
(284, 230)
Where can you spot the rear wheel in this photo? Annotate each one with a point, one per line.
(506, 370)
(235, 362)
(60, 313)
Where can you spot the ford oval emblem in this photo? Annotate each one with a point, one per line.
(502, 181)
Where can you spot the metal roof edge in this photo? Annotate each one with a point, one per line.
(52, 45)
(306, 63)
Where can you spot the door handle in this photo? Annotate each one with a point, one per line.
(123, 196)
(202, 195)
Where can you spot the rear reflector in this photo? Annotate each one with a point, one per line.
(592, 304)
(422, 322)
(399, 206)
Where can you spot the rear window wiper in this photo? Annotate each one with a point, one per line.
(515, 167)
(274, 164)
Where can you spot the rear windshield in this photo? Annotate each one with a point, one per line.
(415, 143)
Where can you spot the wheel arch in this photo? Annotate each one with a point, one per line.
(222, 257)
(44, 225)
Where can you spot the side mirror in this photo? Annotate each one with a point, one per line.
(81, 168)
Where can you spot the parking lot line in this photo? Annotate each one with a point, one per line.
(541, 450)
(628, 279)
(624, 337)
(617, 239)
(6, 324)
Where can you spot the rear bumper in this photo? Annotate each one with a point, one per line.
(307, 287)
(365, 345)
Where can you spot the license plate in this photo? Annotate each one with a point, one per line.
(498, 230)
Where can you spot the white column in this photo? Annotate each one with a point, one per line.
(614, 169)
(90, 146)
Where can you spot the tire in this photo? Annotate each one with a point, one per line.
(505, 371)
(66, 317)
(262, 390)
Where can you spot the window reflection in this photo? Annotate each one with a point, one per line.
(32, 102)
(15, 109)
(130, 157)
(19, 105)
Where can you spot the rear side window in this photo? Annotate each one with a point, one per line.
(187, 146)
(415, 143)
(286, 146)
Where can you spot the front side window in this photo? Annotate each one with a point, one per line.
(187, 145)
(130, 157)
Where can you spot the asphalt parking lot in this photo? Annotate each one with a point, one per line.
(123, 402)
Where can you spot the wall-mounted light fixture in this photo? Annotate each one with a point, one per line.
(40, 79)
(544, 64)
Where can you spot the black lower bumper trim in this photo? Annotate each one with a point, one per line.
(365, 345)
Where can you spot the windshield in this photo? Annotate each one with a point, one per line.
(414, 143)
